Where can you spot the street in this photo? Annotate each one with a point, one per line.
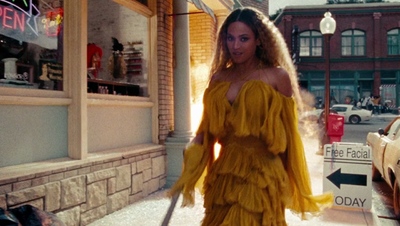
(382, 200)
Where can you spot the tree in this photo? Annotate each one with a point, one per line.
(275, 15)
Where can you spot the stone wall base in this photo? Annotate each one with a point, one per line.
(82, 191)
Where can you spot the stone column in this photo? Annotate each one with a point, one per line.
(182, 126)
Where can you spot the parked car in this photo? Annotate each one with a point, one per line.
(351, 113)
(385, 147)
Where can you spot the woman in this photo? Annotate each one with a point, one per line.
(250, 108)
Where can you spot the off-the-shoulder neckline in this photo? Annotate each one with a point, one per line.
(255, 81)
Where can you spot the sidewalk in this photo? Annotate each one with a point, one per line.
(151, 210)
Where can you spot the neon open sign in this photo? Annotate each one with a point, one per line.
(19, 15)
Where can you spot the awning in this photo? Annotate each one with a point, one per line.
(202, 6)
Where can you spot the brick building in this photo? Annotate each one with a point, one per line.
(364, 56)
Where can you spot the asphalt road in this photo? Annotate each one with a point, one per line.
(382, 199)
(358, 132)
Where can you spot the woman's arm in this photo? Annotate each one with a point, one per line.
(283, 83)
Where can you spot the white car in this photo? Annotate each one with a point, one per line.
(385, 146)
(351, 113)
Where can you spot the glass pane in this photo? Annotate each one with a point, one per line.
(304, 47)
(316, 33)
(346, 46)
(393, 44)
(359, 46)
(349, 32)
(305, 34)
(318, 41)
(346, 41)
(31, 44)
(123, 41)
(357, 32)
(317, 51)
(392, 40)
(359, 41)
(316, 47)
(358, 51)
(346, 51)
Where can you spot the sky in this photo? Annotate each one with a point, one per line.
(280, 4)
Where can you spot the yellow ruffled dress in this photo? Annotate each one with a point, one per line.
(261, 169)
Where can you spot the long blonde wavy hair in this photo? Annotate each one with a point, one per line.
(273, 51)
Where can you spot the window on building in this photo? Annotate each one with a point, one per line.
(31, 44)
(393, 42)
(310, 43)
(120, 68)
(353, 43)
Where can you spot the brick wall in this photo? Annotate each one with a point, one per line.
(202, 42)
(165, 69)
(374, 19)
(202, 38)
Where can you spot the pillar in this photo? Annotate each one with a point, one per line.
(182, 126)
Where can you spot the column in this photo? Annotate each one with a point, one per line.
(182, 126)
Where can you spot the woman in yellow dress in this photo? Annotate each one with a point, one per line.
(250, 108)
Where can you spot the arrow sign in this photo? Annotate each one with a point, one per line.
(338, 178)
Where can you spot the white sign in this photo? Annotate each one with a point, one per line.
(347, 173)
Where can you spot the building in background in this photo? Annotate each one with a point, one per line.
(365, 50)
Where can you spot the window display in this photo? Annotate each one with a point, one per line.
(31, 44)
(122, 37)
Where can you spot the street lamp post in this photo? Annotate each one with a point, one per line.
(327, 27)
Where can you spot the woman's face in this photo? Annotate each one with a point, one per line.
(241, 42)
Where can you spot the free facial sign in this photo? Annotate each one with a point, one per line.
(347, 173)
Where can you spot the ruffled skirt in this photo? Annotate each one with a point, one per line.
(246, 186)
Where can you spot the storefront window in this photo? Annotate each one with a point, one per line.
(117, 50)
(31, 44)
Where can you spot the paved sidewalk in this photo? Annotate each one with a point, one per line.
(151, 210)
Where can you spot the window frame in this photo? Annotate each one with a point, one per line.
(74, 95)
(395, 46)
(312, 38)
(353, 46)
(11, 95)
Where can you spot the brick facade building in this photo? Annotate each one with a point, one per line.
(364, 56)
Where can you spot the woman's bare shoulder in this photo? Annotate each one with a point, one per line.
(279, 79)
(218, 77)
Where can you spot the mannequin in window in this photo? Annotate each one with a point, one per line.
(94, 55)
